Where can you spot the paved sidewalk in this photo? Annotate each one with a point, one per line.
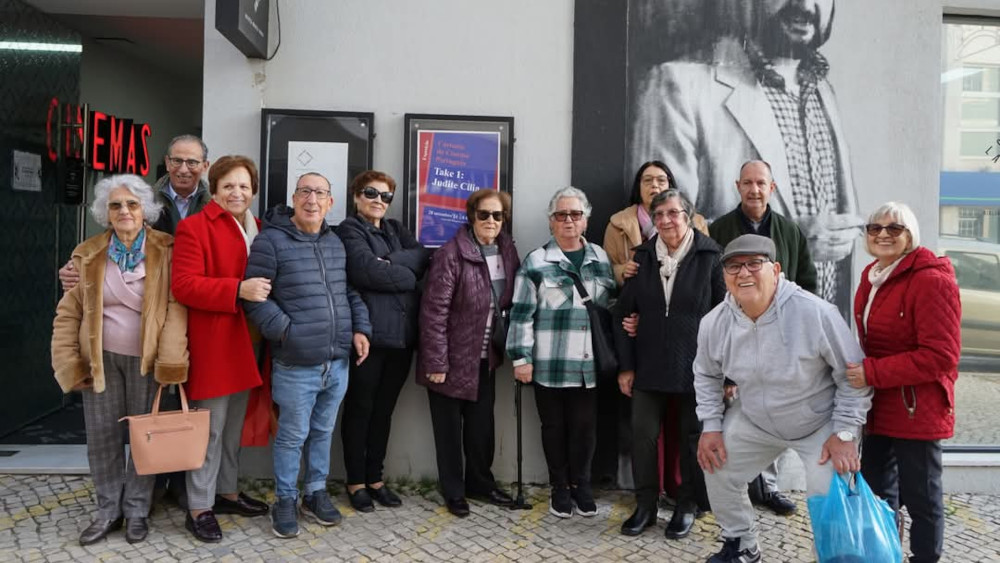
(43, 515)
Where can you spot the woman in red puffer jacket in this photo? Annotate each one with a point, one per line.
(909, 317)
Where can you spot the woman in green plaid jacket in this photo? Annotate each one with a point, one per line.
(550, 344)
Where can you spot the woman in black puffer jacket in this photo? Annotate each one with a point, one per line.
(384, 263)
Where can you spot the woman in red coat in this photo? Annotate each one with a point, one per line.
(909, 317)
(210, 257)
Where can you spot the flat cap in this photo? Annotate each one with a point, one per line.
(749, 245)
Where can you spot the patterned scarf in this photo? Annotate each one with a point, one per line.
(127, 258)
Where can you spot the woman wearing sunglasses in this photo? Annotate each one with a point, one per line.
(384, 263)
(909, 317)
(462, 334)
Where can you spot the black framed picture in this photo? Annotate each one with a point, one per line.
(336, 144)
(447, 157)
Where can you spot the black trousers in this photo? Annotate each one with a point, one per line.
(461, 425)
(372, 391)
(649, 409)
(908, 473)
(569, 429)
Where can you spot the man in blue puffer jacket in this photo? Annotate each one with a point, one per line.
(313, 319)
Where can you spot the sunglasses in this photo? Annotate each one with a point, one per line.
(894, 229)
(373, 193)
(563, 216)
(484, 215)
(131, 204)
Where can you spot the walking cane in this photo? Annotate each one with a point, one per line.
(519, 503)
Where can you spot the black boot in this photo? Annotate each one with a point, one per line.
(680, 524)
(643, 517)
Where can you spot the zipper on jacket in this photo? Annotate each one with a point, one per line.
(329, 298)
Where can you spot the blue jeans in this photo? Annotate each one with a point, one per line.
(309, 397)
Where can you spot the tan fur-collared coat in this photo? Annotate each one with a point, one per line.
(77, 333)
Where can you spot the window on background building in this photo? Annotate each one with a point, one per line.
(970, 216)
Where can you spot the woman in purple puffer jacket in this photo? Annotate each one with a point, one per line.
(471, 278)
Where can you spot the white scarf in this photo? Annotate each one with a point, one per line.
(248, 228)
(669, 262)
(877, 276)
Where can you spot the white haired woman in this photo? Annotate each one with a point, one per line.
(112, 331)
(550, 344)
(908, 314)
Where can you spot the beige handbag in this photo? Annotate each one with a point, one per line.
(164, 442)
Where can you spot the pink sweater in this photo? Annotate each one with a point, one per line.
(123, 309)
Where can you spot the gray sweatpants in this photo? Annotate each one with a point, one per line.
(221, 468)
(749, 450)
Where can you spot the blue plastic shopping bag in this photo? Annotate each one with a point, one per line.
(853, 525)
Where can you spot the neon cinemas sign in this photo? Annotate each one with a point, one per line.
(114, 144)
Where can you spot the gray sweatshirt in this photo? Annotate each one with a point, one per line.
(790, 366)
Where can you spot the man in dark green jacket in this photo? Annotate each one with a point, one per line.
(182, 191)
(754, 216)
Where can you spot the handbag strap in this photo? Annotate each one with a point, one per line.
(584, 296)
(159, 392)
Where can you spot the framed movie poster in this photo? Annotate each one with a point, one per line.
(336, 144)
(448, 157)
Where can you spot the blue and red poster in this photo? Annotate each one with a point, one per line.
(450, 166)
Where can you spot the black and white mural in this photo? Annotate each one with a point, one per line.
(705, 85)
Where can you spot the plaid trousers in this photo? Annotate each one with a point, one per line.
(119, 489)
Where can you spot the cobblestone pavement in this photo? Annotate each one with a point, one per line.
(43, 515)
(977, 419)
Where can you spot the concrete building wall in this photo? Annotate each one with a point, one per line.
(515, 58)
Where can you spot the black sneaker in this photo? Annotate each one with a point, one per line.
(320, 508)
(284, 518)
(583, 497)
(560, 502)
(779, 504)
(731, 553)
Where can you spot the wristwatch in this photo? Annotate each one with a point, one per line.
(845, 436)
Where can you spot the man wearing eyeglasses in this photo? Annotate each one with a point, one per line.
(754, 215)
(314, 320)
(182, 191)
(788, 352)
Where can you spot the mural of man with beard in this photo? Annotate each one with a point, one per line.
(759, 92)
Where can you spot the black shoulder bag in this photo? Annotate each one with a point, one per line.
(602, 337)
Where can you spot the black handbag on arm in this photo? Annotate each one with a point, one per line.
(602, 337)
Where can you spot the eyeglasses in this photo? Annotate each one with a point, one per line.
(563, 216)
(117, 205)
(304, 193)
(483, 215)
(733, 268)
(672, 214)
(894, 229)
(372, 193)
(190, 162)
(657, 180)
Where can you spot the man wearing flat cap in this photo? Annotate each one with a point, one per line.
(788, 351)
